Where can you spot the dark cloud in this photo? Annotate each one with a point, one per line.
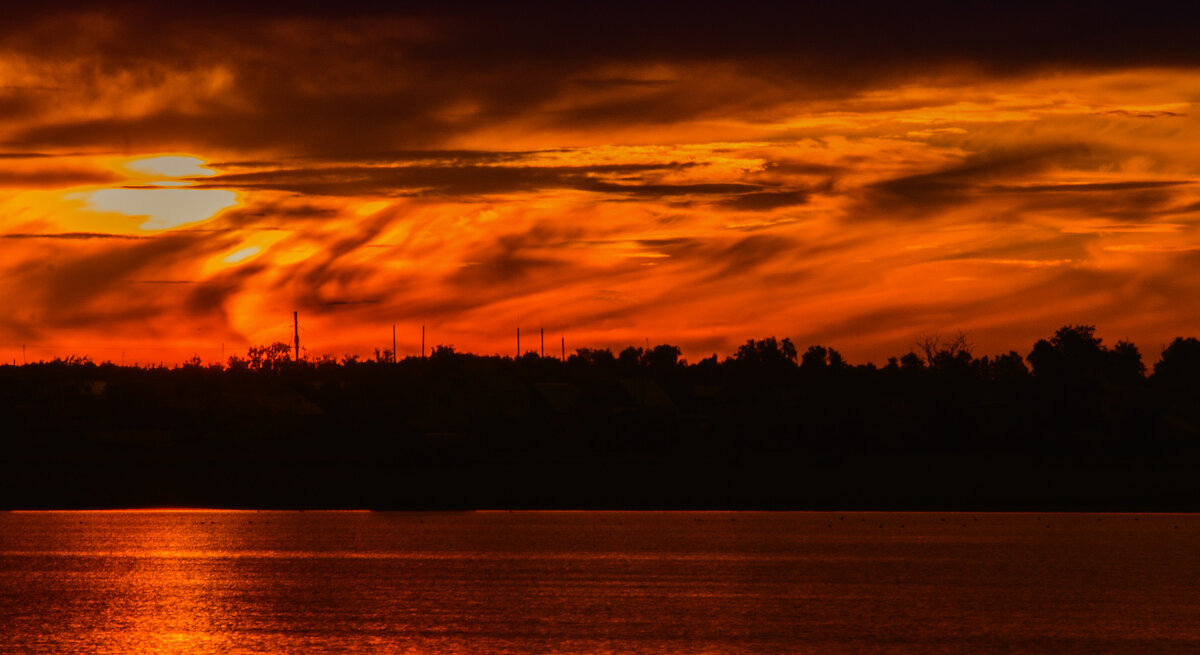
(766, 200)
(318, 282)
(723, 257)
(267, 216)
(962, 182)
(875, 30)
(791, 167)
(1143, 114)
(765, 224)
(1185, 209)
(506, 267)
(355, 99)
(973, 171)
(55, 178)
(437, 157)
(750, 253)
(1047, 246)
(660, 104)
(325, 128)
(73, 236)
(15, 106)
(1132, 185)
(869, 323)
(1115, 296)
(75, 280)
(351, 80)
(609, 82)
(83, 285)
(1139, 203)
(367, 301)
(137, 311)
(672, 242)
(211, 296)
(468, 180)
(660, 190)
(1165, 286)
(399, 180)
(515, 257)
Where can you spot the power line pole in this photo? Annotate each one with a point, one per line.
(422, 341)
(543, 330)
(518, 342)
(564, 348)
(296, 326)
(393, 343)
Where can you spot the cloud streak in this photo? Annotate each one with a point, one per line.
(854, 176)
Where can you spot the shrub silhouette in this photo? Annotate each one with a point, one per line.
(765, 424)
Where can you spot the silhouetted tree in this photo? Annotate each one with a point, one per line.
(530, 356)
(662, 357)
(946, 353)
(1085, 388)
(819, 359)
(835, 359)
(1125, 363)
(593, 356)
(383, 356)
(514, 419)
(1074, 352)
(814, 359)
(911, 361)
(269, 358)
(442, 352)
(1180, 363)
(1008, 367)
(630, 359)
(766, 351)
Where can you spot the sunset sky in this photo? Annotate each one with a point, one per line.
(616, 173)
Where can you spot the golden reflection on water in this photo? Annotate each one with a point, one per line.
(169, 599)
(590, 583)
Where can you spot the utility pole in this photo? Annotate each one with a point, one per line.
(422, 341)
(543, 343)
(564, 348)
(393, 343)
(518, 342)
(296, 326)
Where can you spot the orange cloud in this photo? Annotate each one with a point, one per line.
(184, 191)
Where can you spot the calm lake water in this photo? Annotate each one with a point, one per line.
(619, 582)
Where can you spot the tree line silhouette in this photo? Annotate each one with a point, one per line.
(1074, 424)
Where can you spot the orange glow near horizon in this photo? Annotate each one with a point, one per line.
(152, 214)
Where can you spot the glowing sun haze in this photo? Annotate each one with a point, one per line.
(857, 176)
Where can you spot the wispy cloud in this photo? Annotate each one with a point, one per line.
(850, 175)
